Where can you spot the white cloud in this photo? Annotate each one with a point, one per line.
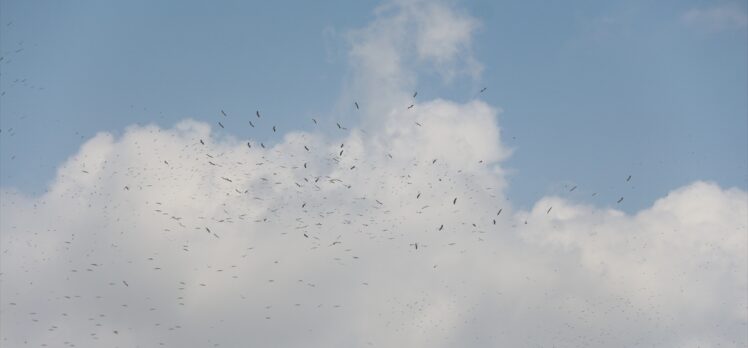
(718, 17)
(213, 261)
(406, 37)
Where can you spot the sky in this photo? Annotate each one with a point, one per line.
(658, 88)
(568, 174)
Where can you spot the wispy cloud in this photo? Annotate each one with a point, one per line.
(395, 235)
(718, 17)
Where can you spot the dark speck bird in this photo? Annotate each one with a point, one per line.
(257, 113)
(221, 124)
(356, 103)
(251, 124)
(454, 201)
(628, 179)
(620, 200)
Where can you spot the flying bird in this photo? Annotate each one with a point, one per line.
(315, 121)
(441, 227)
(410, 107)
(415, 94)
(454, 201)
(549, 210)
(273, 129)
(202, 142)
(251, 124)
(629, 178)
(356, 103)
(249, 145)
(620, 200)
(257, 113)
(483, 90)
(573, 188)
(224, 114)
(221, 124)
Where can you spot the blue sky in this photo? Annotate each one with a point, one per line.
(486, 211)
(591, 92)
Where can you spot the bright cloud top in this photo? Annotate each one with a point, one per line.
(394, 234)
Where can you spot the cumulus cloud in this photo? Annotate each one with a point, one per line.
(181, 237)
(407, 37)
(718, 17)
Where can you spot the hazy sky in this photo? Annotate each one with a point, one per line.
(569, 173)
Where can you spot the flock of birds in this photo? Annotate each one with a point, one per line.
(277, 180)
